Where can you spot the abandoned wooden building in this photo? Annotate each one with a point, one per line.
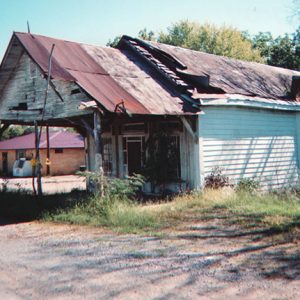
(65, 155)
(205, 110)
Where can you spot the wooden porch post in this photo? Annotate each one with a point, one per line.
(37, 158)
(48, 150)
(98, 149)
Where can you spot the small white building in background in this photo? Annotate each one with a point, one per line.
(217, 112)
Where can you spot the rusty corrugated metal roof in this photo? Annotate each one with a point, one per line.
(235, 76)
(93, 69)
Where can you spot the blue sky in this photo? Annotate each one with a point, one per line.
(96, 21)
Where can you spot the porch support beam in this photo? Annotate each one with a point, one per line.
(189, 129)
(48, 150)
(98, 150)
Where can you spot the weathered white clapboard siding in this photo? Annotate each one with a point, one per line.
(248, 142)
(28, 85)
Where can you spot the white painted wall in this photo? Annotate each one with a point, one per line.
(249, 142)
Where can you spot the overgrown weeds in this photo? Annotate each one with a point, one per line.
(123, 215)
(119, 211)
(116, 209)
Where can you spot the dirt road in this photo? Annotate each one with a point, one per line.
(206, 260)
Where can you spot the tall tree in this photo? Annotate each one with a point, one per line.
(283, 51)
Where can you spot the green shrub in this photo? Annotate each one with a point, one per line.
(216, 179)
(248, 185)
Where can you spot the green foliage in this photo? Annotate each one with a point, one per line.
(16, 130)
(224, 40)
(115, 187)
(283, 51)
(146, 35)
(113, 43)
(216, 179)
(248, 185)
(115, 209)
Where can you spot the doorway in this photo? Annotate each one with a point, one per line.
(4, 163)
(133, 152)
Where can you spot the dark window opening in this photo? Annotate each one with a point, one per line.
(163, 158)
(59, 150)
(75, 91)
(21, 106)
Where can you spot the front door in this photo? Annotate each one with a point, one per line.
(133, 154)
(4, 163)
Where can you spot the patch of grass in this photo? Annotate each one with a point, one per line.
(120, 215)
(237, 208)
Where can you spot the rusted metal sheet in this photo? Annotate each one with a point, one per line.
(139, 80)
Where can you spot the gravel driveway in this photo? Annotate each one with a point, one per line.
(208, 260)
(50, 185)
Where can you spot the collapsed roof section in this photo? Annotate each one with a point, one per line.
(210, 73)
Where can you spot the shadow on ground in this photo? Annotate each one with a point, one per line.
(174, 265)
(22, 207)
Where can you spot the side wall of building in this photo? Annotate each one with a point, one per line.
(24, 94)
(250, 143)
